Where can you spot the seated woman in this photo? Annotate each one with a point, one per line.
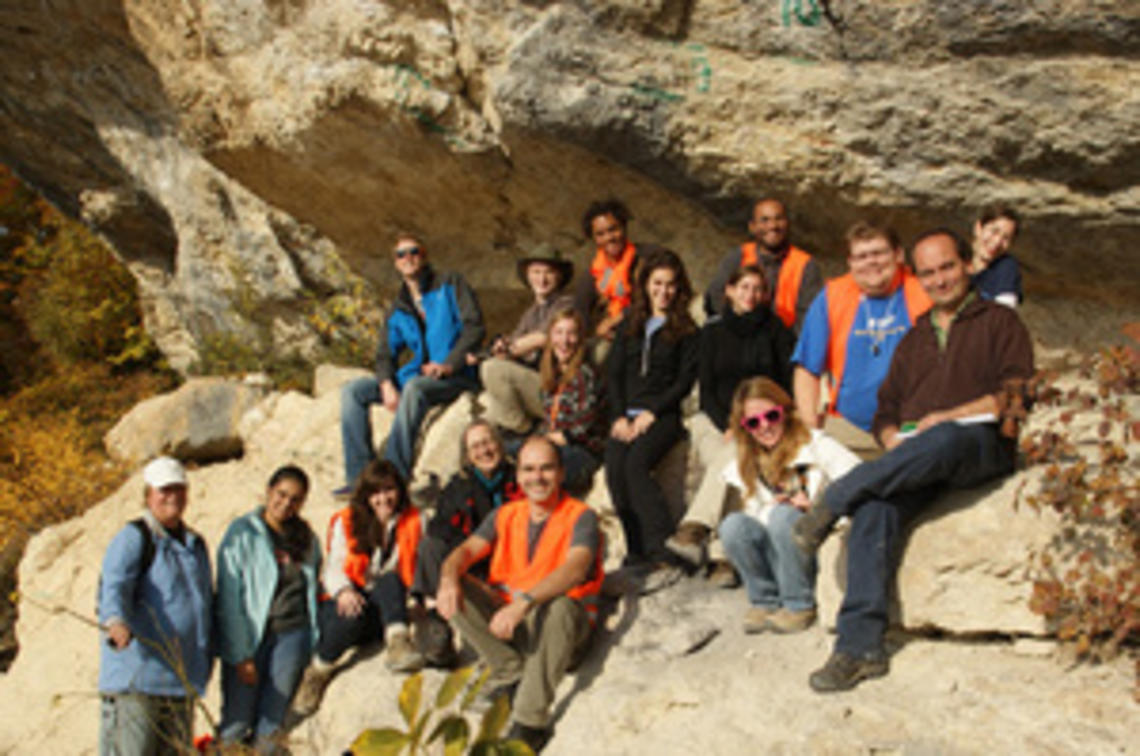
(573, 409)
(996, 273)
(372, 549)
(485, 481)
(781, 467)
(266, 612)
(652, 367)
(747, 340)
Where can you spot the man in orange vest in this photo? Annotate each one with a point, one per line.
(851, 331)
(795, 276)
(534, 615)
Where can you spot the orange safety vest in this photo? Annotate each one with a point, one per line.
(843, 297)
(788, 282)
(613, 279)
(409, 531)
(513, 570)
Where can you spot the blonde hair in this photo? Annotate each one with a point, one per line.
(551, 376)
(755, 462)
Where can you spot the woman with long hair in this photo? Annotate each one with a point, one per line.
(652, 367)
(746, 340)
(373, 545)
(781, 467)
(266, 612)
(571, 393)
(996, 273)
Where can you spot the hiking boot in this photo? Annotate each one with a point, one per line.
(723, 576)
(535, 737)
(436, 641)
(312, 689)
(791, 621)
(689, 542)
(403, 655)
(756, 619)
(810, 530)
(843, 671)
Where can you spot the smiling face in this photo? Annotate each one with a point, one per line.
(564, 339)
(608, 234)
(661, 289)
(542, 278)
(941, 271)
(540, 471)
(994, 238)
(283, 501)
(167, 504)
(384, 502)
(409, 257)
(874, 265)
(764, 420)
(769, 225)
(746, 294)
(483, 451)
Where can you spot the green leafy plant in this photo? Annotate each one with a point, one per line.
(451, 726)
(1089, 584)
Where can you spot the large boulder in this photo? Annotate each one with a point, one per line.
(198, 422)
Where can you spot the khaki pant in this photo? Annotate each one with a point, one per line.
(714, 499)
(512, 394)
(853, 437)
(545, 644)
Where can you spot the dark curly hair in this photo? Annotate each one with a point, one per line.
(597, 208)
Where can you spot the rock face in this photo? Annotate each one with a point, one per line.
(250, 160)
(197, 422)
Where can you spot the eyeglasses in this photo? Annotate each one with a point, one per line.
(406, 251)
(755, 422)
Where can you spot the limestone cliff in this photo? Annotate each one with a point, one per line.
(251, 158)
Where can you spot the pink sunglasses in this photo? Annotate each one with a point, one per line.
(759, 420)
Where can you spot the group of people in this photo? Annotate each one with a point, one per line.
(913, 361)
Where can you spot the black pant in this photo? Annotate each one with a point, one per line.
(386, 605)
(635, 494)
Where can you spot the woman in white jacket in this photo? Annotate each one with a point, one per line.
(780, 469)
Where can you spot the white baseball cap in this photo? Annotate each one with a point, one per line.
(164, 471)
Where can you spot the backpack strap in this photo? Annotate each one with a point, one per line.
(147, 557)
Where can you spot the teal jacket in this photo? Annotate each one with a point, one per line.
(247, 578)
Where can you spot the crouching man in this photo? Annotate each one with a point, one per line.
(535, 615)
(937, 416)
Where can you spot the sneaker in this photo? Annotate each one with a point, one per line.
(535, 737)
(689, 542)
(312, 689)
(723, 575)
(810, 530)
(756, 619)
(790, 621)
(843, 671)
(403, 655)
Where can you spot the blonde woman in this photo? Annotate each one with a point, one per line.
(781, 467)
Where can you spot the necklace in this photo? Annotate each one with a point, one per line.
(877, 327)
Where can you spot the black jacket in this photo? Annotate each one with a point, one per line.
(463, 504)
(668, 376)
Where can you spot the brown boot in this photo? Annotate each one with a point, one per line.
(403, 656)
(312, 689)
(789, 621)
(689, 542)
(810, 530)
(723, 576)
(757, 618)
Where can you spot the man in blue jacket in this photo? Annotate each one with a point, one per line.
(437, 321)
(155, 604)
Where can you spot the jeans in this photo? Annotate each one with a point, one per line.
(645, 517)
(135, 724)
(880, 495)
(259, 710)
(416, 397)
(775, 572)
(386, 605)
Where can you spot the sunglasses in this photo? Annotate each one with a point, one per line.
(759, 420)
(406, 251)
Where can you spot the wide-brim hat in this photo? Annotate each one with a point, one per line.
(546, 253)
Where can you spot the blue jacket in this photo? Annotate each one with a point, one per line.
(169, 606)
(452, 327)
(247, 579)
